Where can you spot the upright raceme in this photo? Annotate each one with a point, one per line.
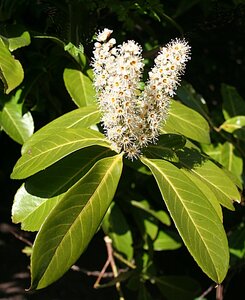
(132, 118)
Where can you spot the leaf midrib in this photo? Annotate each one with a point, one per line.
(166, 178)
(77, 219)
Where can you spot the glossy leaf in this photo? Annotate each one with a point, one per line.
(233, 103)
(17, 125)
(116, 227)
(195, 218)
(73, 222)
(83, 117)
(30, 210)
(188, 122)
(55, 147)
(19, 41)
(166, 240)
(11, 71)
(235, 125)
(217, 180)
(177, 287)
(80, 87)
(42, 191)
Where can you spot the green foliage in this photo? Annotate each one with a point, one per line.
(175, 196)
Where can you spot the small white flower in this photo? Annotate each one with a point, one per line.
(131, 118)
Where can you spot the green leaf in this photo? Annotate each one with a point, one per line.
(166, 240)
(33, 201)
(19, 41)
(189, 97)
(177, 287)
(233, 103)
(237, 241)
(165, 147)
(116, 226)
(231, 159)
(77, 53)
(161, 215)
(188, 122)
(17, 125)
(236, 126)
(30, 210)
(83, 117)
(73, 222)
(55, 147)
(195, 218)
(80, 87)
(11, 72)
(214, 177)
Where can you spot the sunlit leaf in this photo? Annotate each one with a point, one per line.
(233, 103)
(80, 87)
(17, 125)
(235, 125)
(11, 71)
(195, 218)
(42, 191)
(55, 147)
(177, 287)
(116, 226)
(30, 210)
(83, 117)
(73, 222)
(19, 41)
(188, 122)
(217, 180)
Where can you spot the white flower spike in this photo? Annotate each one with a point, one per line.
(132, 119)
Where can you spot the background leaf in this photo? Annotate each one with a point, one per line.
(233, 104)
(166, 240)
(195, 218)
(55, 147)
(11, 71)
(80, 87)
(188, 122)
(22, 40)
(18, 125)
(73, 222)
(177, 287)
(116, 226)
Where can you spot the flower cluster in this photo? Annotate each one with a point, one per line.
(131, 118)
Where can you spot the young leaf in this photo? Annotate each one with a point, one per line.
(188, 122)
(234, 125)
(17, 125)
(83, 117)
(195, 218)
(19, 41)
(53, 148)
(233, 103)
(116, 226)
(11, 72)
(73, 222)
(177, 287)
(80, 87)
